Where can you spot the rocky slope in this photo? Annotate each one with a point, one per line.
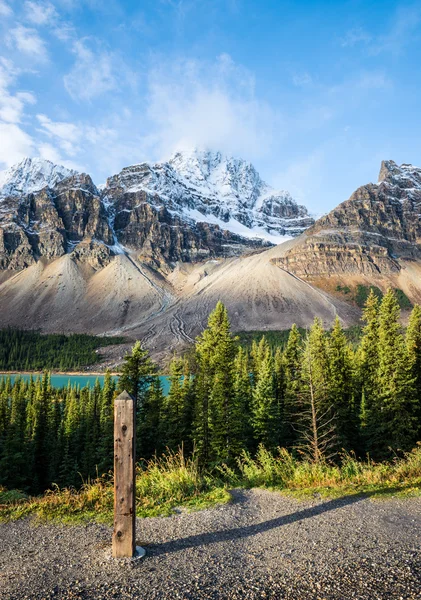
(137, 259)
(198, 205)
(374, 233)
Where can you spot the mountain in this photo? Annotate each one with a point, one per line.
(374, 237)
(150, 254)
(31, 175)
(198, 205)
(206, 186)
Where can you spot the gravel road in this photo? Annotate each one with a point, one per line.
(262, 545)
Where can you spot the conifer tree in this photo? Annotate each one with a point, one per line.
(106, 424)
(265, 412)
(292, 373)
(215, 430)
(315, 419)
(392, 421)
(367, 365)
(149, 422)
(174, 426)
(413, 352)
(341, 388)
(243, 398)
(136, 371)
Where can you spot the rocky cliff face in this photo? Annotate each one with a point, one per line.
(196, 206)
(50, 222)
(367, 234)
(207, 187)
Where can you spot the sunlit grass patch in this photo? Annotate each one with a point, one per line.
(161, 485)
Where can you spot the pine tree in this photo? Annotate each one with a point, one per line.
(149, 421)
(136, 373)
(215, 430)
(392, 421)
(315, 418)
(174, 430)
(367, 365)
(265, 411)
(413, 353)
(292, 372)
(106, 424)
(40, 435)
(341, 388)
(243, 398)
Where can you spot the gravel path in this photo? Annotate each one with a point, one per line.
(263, 545)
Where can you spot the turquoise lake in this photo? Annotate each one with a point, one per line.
(59, 381)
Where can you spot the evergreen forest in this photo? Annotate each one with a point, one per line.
(319, 395)
(32, 351)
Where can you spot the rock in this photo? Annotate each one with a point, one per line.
(367, 234)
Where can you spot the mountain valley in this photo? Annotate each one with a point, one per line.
(151, 253)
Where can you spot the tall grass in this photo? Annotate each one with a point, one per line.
(175, 481)
(284, 471)
(161, 485)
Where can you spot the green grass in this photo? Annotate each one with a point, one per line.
(162, 485)
(174, 482)
(301, 478)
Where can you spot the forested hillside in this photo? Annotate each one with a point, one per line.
(32, 351)
(318, 397)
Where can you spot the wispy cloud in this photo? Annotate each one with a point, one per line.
(28, 41)
(71, 137)
(404, 30)
(302, 79)
(355, 36)
(11, 104)
(5, 9)
(40, 13)
(93, 73)
(194, 103)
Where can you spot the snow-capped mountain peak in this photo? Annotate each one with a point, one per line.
(206, 186)
(31, 175)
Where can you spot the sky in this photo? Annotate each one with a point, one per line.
(315, 94)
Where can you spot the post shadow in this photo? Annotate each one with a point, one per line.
(226, 535)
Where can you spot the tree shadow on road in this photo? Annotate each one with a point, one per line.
(237, 533)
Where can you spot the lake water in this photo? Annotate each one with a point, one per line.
(60, 381)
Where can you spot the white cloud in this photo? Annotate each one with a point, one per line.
(15, 144)
(354, 36)
(302, 79)
(193, 103)
(93, 73)
(40, 13)
(5, 9)
(28, 41)
(71, 138)
(66, 135)
(405, 29)
(373, 80)
(11, 105)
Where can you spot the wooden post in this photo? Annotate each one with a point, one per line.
(124, 534)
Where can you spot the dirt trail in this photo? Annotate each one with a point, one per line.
(262, 545)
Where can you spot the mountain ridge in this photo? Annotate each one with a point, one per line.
(121, 261)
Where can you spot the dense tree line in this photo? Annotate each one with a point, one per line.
(32, 351)
(318, 396)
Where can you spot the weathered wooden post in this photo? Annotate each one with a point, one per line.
(124, 534)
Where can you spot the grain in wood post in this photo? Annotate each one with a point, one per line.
(124, 534)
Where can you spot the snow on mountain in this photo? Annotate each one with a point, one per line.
(402, 178)
(31, 175)
(205, 186)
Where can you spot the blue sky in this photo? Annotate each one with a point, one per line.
(315, 94)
